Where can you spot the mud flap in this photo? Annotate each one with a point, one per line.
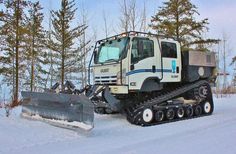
(63, 110)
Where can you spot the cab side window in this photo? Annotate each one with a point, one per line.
(169, 50)
(141, 49)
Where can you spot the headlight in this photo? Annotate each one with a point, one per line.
(123, 77)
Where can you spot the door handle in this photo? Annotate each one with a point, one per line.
(153, 69)
(177, 69)
(132, 67)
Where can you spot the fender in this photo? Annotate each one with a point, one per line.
(151, 84)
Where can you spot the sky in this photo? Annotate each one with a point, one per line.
(219, 12)
(221, 15)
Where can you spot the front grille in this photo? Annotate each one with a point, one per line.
(105, 79)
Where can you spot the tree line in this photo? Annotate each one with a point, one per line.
(32, 57)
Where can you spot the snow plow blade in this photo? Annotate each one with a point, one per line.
(62, 110)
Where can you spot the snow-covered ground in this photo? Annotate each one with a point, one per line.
(113, 134)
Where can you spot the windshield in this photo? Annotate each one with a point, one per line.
(112, 50)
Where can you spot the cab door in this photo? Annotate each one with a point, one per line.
(142, 62)
(171, 57)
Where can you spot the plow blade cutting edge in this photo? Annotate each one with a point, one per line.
(62, 110)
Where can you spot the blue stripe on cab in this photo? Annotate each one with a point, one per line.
(147, 70)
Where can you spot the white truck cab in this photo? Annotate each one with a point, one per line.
(135, 62)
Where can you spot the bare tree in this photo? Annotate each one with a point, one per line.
(85, 47)
(106, 28)
(133, 15)
(143, 25)
(132, 18)
(124, 18)
(224, 54)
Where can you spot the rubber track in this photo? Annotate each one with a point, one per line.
(134, 112)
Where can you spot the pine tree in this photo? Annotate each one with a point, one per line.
(51, 76)
(36, 52)
(2, 18)
(1, 22)
(177, 18)
(67, 54)
(13, 32)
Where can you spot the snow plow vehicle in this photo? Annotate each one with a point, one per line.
(144, 76)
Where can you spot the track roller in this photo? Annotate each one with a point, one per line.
(159, 115)
(108, 111)
(99, 110)
(198, 110)
(189, 111)
(170, 114)
(180, 112)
